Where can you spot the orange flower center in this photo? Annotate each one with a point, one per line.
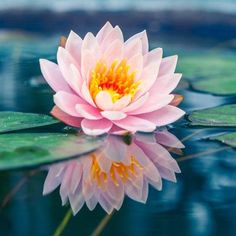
(118, 169)
(117, 80)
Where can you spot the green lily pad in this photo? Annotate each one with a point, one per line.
(228, 139)
(216, 72)
(218, 86)
(34, 149)
(223, 116)
(11, 121)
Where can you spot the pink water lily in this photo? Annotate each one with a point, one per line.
(114, 171)
(105, 84)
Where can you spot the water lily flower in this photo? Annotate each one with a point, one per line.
(115, 170)
(105, 84)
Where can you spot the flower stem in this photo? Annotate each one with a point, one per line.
(63, 224)
(102, 224)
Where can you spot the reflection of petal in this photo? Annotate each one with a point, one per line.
(115, 170)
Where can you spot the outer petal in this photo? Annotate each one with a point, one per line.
(53, 179)
(67, 119)
(168, 139)
(136, 104)
(168, 65)
(143, 37)
(66, 62)
(113, 35)
(88, 112)
(131, 47)
(154, 56)
(153, 104)
(166, 84)
(104, 31)
(134, 124)
(86, 94)
(67, 102)
(53, 76)
(148, 78)
(73, 46)
(96, 127)
(164, 116)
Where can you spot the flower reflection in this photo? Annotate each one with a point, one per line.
(115, 170)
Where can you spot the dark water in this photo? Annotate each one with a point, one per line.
(201, 203)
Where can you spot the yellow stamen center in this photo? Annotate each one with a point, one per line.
(117, 80)
(118, 169)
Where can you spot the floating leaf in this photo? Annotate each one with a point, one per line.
(33, 149)
(11, 121)
(212, 72)
(223, 116)
(229, 139)
(219, 85)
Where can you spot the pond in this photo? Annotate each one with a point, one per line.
(202, 202)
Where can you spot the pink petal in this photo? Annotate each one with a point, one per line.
(136, 104)
(133, 190)
(76, 81)
(65, 62)
(117, 130)
(158, 154)
(131, 47)
(113, 115)
(90, 43)
(73, 46)
(96, 127)
(115, 149)
(104, 101)
(121, 103)
(53, 76)
(136, 64)
(104, 31)
(76, 177)
(168, 65)
(65, 184)
(166, 173)
(88, 112)
(143, 37)
(115, 191)
(164, 116)
(133, 124)
(166, 83)
(144, 191)
(154, 56)
(113, 52)
(104, 163)
(105, 204)
(86, 94)
(113, 35)
(88, 62)
(53, 179)
(168, 139)
(64, 117)
(153, 104)
(67, 102)
(76, 200)
(91, 203)
(148, 78)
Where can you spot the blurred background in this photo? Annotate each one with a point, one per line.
(202, 33)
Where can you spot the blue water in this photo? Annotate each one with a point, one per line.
(62, 5)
